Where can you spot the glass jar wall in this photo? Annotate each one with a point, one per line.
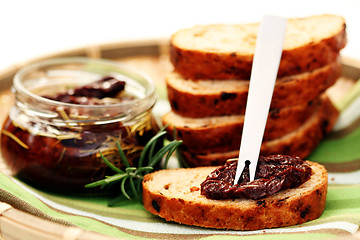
(57, 144)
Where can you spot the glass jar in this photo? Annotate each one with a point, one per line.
(58, 145)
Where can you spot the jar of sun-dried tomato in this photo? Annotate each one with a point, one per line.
(68, 112)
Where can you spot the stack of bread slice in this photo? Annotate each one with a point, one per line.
(208, 88)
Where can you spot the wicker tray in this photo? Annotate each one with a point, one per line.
(147, 55)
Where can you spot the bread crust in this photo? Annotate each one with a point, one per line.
(213, 63)
(300, 142)
(174, 194)
(223, 100)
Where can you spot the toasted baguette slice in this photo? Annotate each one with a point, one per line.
(204, 98)
(226, 51)
(221, 132)
(300, 142)
(174, 194)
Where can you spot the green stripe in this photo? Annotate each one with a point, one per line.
(342, 204)
(345, 204)
(341, 150)
(343, 191)
(127, 210)
(343, 200)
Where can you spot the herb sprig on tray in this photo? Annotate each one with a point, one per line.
(131, 178)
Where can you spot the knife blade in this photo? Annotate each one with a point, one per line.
(267, 55)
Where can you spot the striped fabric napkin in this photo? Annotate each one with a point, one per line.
(340, 153)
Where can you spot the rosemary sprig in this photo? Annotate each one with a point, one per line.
(131, 178)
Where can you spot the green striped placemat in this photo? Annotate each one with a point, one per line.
(130, 220)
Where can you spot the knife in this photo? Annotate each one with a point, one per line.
(268, 50)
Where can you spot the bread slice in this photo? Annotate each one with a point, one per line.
(174, 194)
(204, 98)
(300, 142)
(214, 134)
(221, 132)
(225, 51)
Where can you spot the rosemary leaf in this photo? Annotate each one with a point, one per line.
(131, 179)
(152, 149)
(122, 155)
(115, 177)
(107, 180)
(130, 169)
(148, 145)
(123, 190)
(143, 169)
(153, 145)
(139, 188)
(164, 127)
(133, 189)
(178, 155)
(158, 156)
(95, 184)
(170, 152)
(180, 159)
(112, 166)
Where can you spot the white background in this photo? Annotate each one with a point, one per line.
(32, 28)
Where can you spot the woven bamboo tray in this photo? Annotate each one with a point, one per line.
(147, 55)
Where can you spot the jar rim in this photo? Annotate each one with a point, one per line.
(19, 87)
